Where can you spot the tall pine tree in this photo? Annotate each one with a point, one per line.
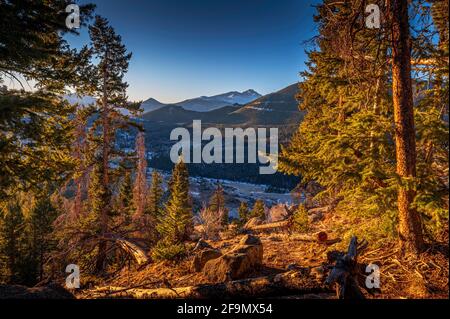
(107, 85)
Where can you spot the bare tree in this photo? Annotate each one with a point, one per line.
(212, 223)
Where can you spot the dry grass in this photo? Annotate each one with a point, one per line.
(425, 276)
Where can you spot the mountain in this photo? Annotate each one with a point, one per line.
(151, 105)
(177, 115)
(279, 108)
(209, 103)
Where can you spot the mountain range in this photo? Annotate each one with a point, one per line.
(235, 108)
(206, 103)
(278, 108)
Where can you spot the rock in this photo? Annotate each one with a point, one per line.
(278, 213)
(236, 264)
(252, 222)
(315, 217)
(318, 273)
(52, 291)
(318, 214)
(203, 257)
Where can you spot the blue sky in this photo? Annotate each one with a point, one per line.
(188, 48)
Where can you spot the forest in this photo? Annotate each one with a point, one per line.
(367, 164)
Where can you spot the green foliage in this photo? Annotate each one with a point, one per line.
(300, 219)
(155, 196)
(259, 210)
(165, 250)
(26, 225)
(243, 213)
(346, 140)
(40, 230)
(35, 145)
(217, 204)
(12, 238)
(125, 196)
(176, 225)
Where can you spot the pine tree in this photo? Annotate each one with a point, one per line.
(300, 219)
(42, 243)
(155, 197)
(345, 142)
(33, 49)
(217, 204)
(125, 197)
(243, 213)
(175, 225)
(107, 85)
(259, 210)
(12, 237)
(410, 224)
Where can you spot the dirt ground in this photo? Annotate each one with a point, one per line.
(402, 277)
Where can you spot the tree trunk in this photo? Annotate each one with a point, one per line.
(103, 245)
(410, 226)
(284, 284)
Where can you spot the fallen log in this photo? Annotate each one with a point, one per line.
(285, 284)
(285, 224)
(138, 253)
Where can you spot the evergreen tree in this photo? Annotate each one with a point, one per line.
(42, 242)
(125, 197)
(155, 196)
(259, 210)
(217, 204)
(300, 219)
(12, 238)
(175, 225)
(346, 140)
(32, 48)
(243, 213)
(107, 85)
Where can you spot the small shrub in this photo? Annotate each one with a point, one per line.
(168, 251)
(300, 220)
(212, 223)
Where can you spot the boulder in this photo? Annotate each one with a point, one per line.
(203, 257)
(236, 264)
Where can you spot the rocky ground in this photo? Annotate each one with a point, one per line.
(424, 277)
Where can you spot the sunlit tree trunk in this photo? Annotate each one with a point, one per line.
(410, 226)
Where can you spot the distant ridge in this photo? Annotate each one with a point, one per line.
(278, 108)
(206, 103)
